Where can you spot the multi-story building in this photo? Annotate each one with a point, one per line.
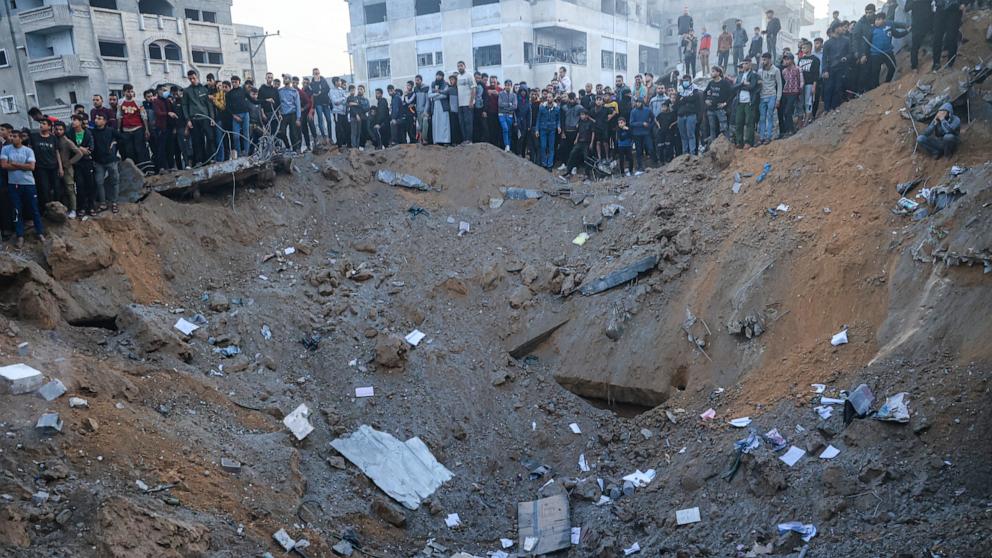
(391, 41)
(55, 53)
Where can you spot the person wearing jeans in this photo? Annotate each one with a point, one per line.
(320, 91)
(688, 106)
(237, 103)
(771, 95)
(18, 160)
(507, 102)
(547, 126)
(466, 101)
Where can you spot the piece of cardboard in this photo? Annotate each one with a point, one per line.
(546, 519)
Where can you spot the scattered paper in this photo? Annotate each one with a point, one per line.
(831, 401)
(634, 549)
(533, 426)
(830, 453)
(452, 520)
(186, 327)
(581, 239)
(603, 500)
(505, 543)
(464, 228)
(576, 535)
(808, 531)
(839, 339)
(289, 251)
(824, 411)
(415, 337)
(575, 428)
(687, 516)
(792, 456)
(775, 439)
(641, 479)
(782, 207)
(583, 466)
(818, 388)
(741, 422)
(894, 409)
(710, 414)
(530, 543)
(297, 422)
(365, 391)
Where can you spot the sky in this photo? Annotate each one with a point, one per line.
(313, 33)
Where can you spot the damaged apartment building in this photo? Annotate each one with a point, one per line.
(56, 53)
(391, 41)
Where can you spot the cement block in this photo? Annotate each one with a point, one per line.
(20, 378)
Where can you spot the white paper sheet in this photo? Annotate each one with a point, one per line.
(830, 453)
(365, 391)
(415, 337)
(687, 516)
(792, 456)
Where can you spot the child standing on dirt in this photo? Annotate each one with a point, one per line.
(18, 160)
(624, 143)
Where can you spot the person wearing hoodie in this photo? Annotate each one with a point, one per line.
(943, 135)
(105, 141)
(861, 37)
(453, 125)
(757, 46)
(690, 46)
(837, 56)
(440, 110)
(740, 41)
(506, 101)
(570, 113)
(688, 106)
(771, 97)
(523, 117)
(320, 91)
(772, 29)
(548, 127)
(358, 113)
(641, 125)
(421, 90)
(237, 103)
(199, 111)
(882, 51)
(290, 111)
(396, 134)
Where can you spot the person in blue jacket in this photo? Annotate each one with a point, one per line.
(548, 127)
(943, 135)
(641, 123)
(882, 52)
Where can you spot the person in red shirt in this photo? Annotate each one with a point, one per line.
(705, 44)
(134, 129)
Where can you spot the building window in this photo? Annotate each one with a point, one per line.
(607, 60)
(193, 14)
(375, 13)
(244, 47)
(3, 58)
(424, 7)
(379, 68)
(621, 62)
(8, 104)
(164, 50)
(427, 59)
(111, 49)
(484, 2)
(210, 17)
(155, 7)
(607, 6)
(528, 53)
(208, 57)
(489, 55)
(621, 7)
(105, 4)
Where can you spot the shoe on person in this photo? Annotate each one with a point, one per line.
(638, 173)
(562, 167)
(19, 243)
(71, 215)
(361, 149)
(574, 171)
(506, 148)
(626, 173)
(41, 238)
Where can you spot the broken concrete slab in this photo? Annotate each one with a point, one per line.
(297, 422)
(207, 177)
(406, 471)
(539, 328)
(521, 193)
(20, 378)
(391, 178)
(49, 423)
(52, 390)
(546, 520)
(620, 276)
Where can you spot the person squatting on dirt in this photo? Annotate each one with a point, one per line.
(943, 135)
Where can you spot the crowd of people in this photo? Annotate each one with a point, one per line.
(752, 95)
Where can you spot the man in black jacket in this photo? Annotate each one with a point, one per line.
(685, 21)
(772, 30)
(757, 48)
(268, 98)
(861, 45)
(320, 91)
(946, 30)
(836, 64)
(237, 104)
(716, 96)
(921, 23)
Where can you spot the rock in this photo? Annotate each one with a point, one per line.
(56, 212)
(343, 548)
(36, 304)
(539, 327)
(529, 274)
(588, 491)
(390, 351)
(132, 181)
(371, 333)
(490, 276)
(764, 475)
(52, 390)
(49, 423)
(337, 462)
(150, 328)
(455, 286)
(720, 153)
(73, 257)
(219, 303)
(331, 172)
(366, 247)
(230, 465)
(683, 241)
(389, 512)
(520, 296)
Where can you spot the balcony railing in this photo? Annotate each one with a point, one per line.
(55, 68)
(46, 18)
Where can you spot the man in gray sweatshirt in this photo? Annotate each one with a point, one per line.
(507, 103)
(339, 110)
(771, 95)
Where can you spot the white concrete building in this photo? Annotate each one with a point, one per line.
(55, 53)
(391, 41)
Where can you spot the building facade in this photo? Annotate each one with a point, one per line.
(391, 41)
(56, 53)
